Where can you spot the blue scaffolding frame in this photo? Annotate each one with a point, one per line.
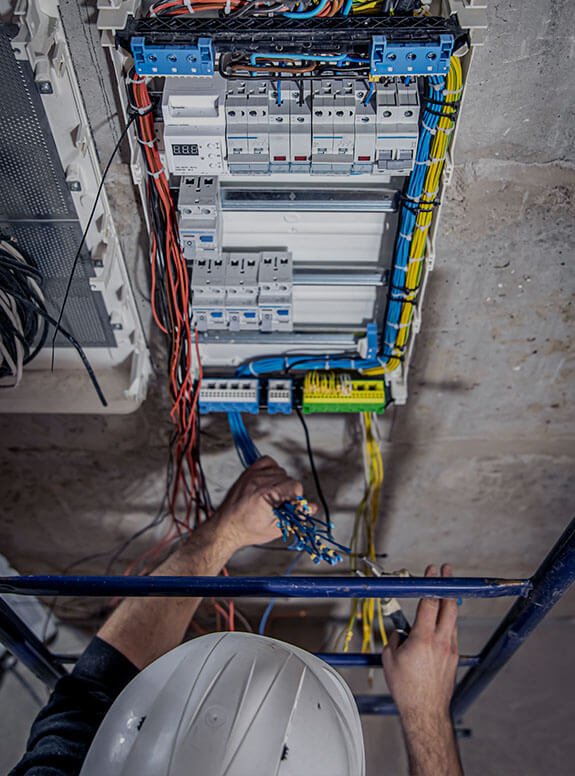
(535, 597)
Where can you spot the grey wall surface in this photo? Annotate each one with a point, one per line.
(479, 463)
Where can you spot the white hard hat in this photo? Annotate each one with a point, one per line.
(231, 704)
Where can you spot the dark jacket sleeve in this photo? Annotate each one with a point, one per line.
(64, 729)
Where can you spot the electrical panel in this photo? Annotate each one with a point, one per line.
(305, 157)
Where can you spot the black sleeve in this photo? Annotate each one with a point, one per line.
(64, 729)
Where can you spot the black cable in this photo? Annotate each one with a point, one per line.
(82, 241)
(72, 340)
(314, 472)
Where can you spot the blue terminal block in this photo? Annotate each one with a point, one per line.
(190, 59)
(410, 58)
(280, 397)
(229, 395)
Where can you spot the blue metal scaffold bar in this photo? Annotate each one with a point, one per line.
(551, 580)
(535, 597)
(266, 587)
(27, 647)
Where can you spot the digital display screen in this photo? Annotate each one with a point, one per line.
(185, 149)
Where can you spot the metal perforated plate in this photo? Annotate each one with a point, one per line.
(36, 208)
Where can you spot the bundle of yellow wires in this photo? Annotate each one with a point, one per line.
(431, 186)
(363, 537)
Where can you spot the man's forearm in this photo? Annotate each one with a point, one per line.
(143, 629)
(431, 745)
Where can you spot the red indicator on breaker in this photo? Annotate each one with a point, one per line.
(363, 158)
(300, 158)
(279, 158)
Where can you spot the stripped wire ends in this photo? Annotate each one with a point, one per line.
(307, 533)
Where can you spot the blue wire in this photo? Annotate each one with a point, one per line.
(279, 91)
(270, 606)
(307, 14)
(339, 58)
(347, 7)
(369, 95)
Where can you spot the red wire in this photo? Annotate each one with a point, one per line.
(184, 390)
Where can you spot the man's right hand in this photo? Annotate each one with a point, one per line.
(420, 673)
(247, 515)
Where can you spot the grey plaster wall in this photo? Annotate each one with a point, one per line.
(479, 463)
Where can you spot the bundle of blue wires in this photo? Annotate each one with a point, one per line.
(408, 212)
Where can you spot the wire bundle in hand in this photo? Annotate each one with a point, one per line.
(298, 525)
(189, 501)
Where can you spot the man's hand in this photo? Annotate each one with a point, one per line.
(145, 628)
(421, 676)
(246, 515)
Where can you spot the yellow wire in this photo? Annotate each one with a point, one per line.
(431, 185)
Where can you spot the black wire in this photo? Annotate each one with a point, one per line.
(314, 472)
(82, 241)
(72, 340)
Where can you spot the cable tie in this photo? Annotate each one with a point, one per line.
(408, 237)
(431, 130)
(413, 260)
(424, 163)
(437, 160)
(398, 325)
(148, 143)
(188, 5)
(430, 193)
(155, 174)
(456, 92)
(142, 79)
(227, 7)
(141, 111)
(251, 368)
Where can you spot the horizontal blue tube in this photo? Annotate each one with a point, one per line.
(266, 587)
(373, 659)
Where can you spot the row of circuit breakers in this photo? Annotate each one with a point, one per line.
(328, 126)
(235, 290)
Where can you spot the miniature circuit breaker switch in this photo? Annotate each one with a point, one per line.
(242, 313)
(275, 291)
(209, 293)
(199, 217)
